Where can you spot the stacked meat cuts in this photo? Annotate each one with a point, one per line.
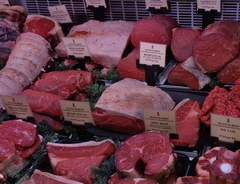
(18, 140)
(11, 20)
(121, 106)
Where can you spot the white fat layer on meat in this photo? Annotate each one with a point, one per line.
(212, 160)
(190, 66)
(181, 104)
(89, 143)
(226, 168)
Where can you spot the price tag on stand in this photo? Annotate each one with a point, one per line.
(153, 54)
(160, 121)
(17, 105)
(157, 4)
(225, 128)
(209, 5)
(60, 14)
(96, 3)
(76, 112)
(6, 2)
(76, 47)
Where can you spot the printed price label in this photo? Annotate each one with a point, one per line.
(60, 14)
(225, 128)
(157, 4)
(78, 113)
(6, 2)
(17, 105)
(160, 121)
(153, 54)
(96, 3)
(209, 5)
(76, 47)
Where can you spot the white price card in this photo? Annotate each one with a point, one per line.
(76, 47)
(60, 14)
(225, 128)
(6, 2)
(157, 4)
(153, 54)
(209, 5)
(17, 105)
(77, 112)
(96, 3)
(160, 121)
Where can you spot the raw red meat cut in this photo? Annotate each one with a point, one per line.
(127, 67)
(29, 151)
(19, 132)
(188, 74)
(75, 161)
(230, 73)
(78, 78)
(114, 178)
(218, 45)
(121, 106)
(80, 97)
(7, 153)
(220, 101)
(135, 181)
(151, 150)
(45, 27)
(192, 180)
(188, 123)
(182, 42)
(156, 29)
(50, 121)
(39, 177)
(43, 102)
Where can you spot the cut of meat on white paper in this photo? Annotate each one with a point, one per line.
(6, 2)
(157, 4)
(153, 54)
(209, 5)
(96, 3)
(60, 14)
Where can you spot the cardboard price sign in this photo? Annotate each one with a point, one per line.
(60, 13)
(6, 2)
(153, 54)
(157, 4)
(96, 3)
(78, 113)
(209, 5)
(17, 105)
(226, 128)
(76, 47)
(160, 121)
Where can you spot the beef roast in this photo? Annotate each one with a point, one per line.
(127, 67)
(188, 123)
(43, 102)
(218, 45)
(156, 29)
(121, 106)
(188, 74)
(230, 73)
(182, 42)
(192, 180)
(7, 153)
(149, 152)
(44, 177)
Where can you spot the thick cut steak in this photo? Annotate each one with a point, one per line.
(182, 42)
(106, 40)
(218, 45)
(127, 67)
(7, 153)
(128, 99)
(75, 161)
(149, 152)
(192, 180)
(40, 177)
(156, 29)
(45, 27)
(188, 74)
(43, 102)
(188, 123)
(230, 73)
(19, 132)
(29, 151)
